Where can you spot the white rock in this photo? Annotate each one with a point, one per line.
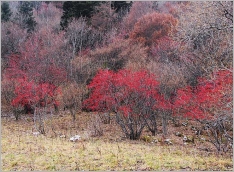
(75, 138)
(36, 133)
(203, 139)
(168, 141)
(185, 138)
(178, 134)
(62, 136)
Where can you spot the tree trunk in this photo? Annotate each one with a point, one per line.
(153, 132)
(164, 124)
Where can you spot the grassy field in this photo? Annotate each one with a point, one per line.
(21, 150)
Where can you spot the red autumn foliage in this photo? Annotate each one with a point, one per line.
(135, 96)
(35, 74)
(113, 91)
(35, 62)
(132, 96)
(30, 94)
(210, 99)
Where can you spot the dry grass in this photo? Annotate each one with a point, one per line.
(21, 150)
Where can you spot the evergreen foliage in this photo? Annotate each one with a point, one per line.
(6, 12)
(76, 9)
(118, 5)
(26, 15)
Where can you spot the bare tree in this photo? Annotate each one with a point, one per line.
(104, 17)
(206, 28)
(72, 98)
(11, 38)
(138, 10)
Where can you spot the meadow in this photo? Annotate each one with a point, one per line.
(23, 151)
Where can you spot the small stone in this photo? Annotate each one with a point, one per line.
(178, 134)
(189, 139)
(62, 136)
(168, 141)
(203, 139)
(75, 138)
(36, 133)
(185, 139)
(184, 124)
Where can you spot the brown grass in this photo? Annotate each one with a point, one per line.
(21, 150)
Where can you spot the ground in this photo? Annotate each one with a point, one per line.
(22, 150)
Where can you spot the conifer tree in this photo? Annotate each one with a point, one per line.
(26, 16)
(6, 12)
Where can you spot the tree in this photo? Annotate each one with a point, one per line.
(117, 55)
(76, 9)
(138, 9)
(6, 12)
(48, 15)
(11, 38)
(132, 96)
(104, 17)
(206, 30)
(25, 16)
(72, 98)
(35, 65)
(211, 104)
(120, 5)
(166, 51)
(79, 34)
(171, 78)
(166, 60)
(29, 96)
(151, 27)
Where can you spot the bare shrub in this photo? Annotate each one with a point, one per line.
(11, 38)
(117, 55)
(138, 10)
(171, 78)
(220, 133)
(104, 17)
(48, 15)
(72, 95)
(105, 117)
(206, 30)
(95, 126)
(151, 27)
